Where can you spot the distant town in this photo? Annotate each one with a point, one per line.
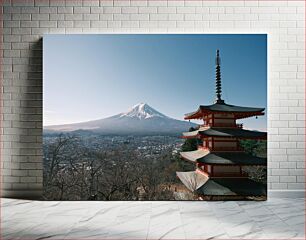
(105, 167)
(144, 146)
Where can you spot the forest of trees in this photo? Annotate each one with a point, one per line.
(75, 172)
(256, 148)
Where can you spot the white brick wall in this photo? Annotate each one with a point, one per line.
(25, 21)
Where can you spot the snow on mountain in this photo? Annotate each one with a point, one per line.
(140, 119)
(142, 111)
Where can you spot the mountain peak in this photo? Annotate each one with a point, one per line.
(140, 105)
(142, 111)
(140, 119)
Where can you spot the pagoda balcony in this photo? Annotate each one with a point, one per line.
(222, 149)
(222, 174)
(225, 125)
(229, 175)
(225, 149)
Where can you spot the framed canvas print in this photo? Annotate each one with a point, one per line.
(155, 117)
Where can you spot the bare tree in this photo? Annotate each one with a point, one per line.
(74, 170)
(55, 158)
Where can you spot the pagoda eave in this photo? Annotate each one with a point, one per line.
(200, 115)
(193, 179)
(241, 116)
(203, 185)
(232, 132)
(189, 160)
(232, 187)
(193, 156)
(194, 134)
(202, 136)
(205, 156)
(220, 108)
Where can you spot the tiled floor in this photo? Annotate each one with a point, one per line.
(273, 219)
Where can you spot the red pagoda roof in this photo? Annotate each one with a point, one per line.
(203, 185)
(222, 158)
(225, 132)
(193, 179)
(238, 111)
(232, 187)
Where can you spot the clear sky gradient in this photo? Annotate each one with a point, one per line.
(88, 77)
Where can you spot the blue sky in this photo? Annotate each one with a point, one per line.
(88, 77)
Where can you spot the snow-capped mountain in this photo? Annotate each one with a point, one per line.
(142, 111)
(140, 119)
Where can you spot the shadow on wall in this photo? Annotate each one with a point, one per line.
(29, 155)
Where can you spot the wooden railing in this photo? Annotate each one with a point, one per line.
(225, 174)
(225, 125)
(220, 149)
(227, 149)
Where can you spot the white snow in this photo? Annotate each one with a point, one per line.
(142, 111)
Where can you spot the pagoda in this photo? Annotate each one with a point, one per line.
(219, 158)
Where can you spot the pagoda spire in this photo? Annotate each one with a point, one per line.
(218, 80)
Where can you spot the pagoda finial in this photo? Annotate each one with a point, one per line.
(218, 79)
